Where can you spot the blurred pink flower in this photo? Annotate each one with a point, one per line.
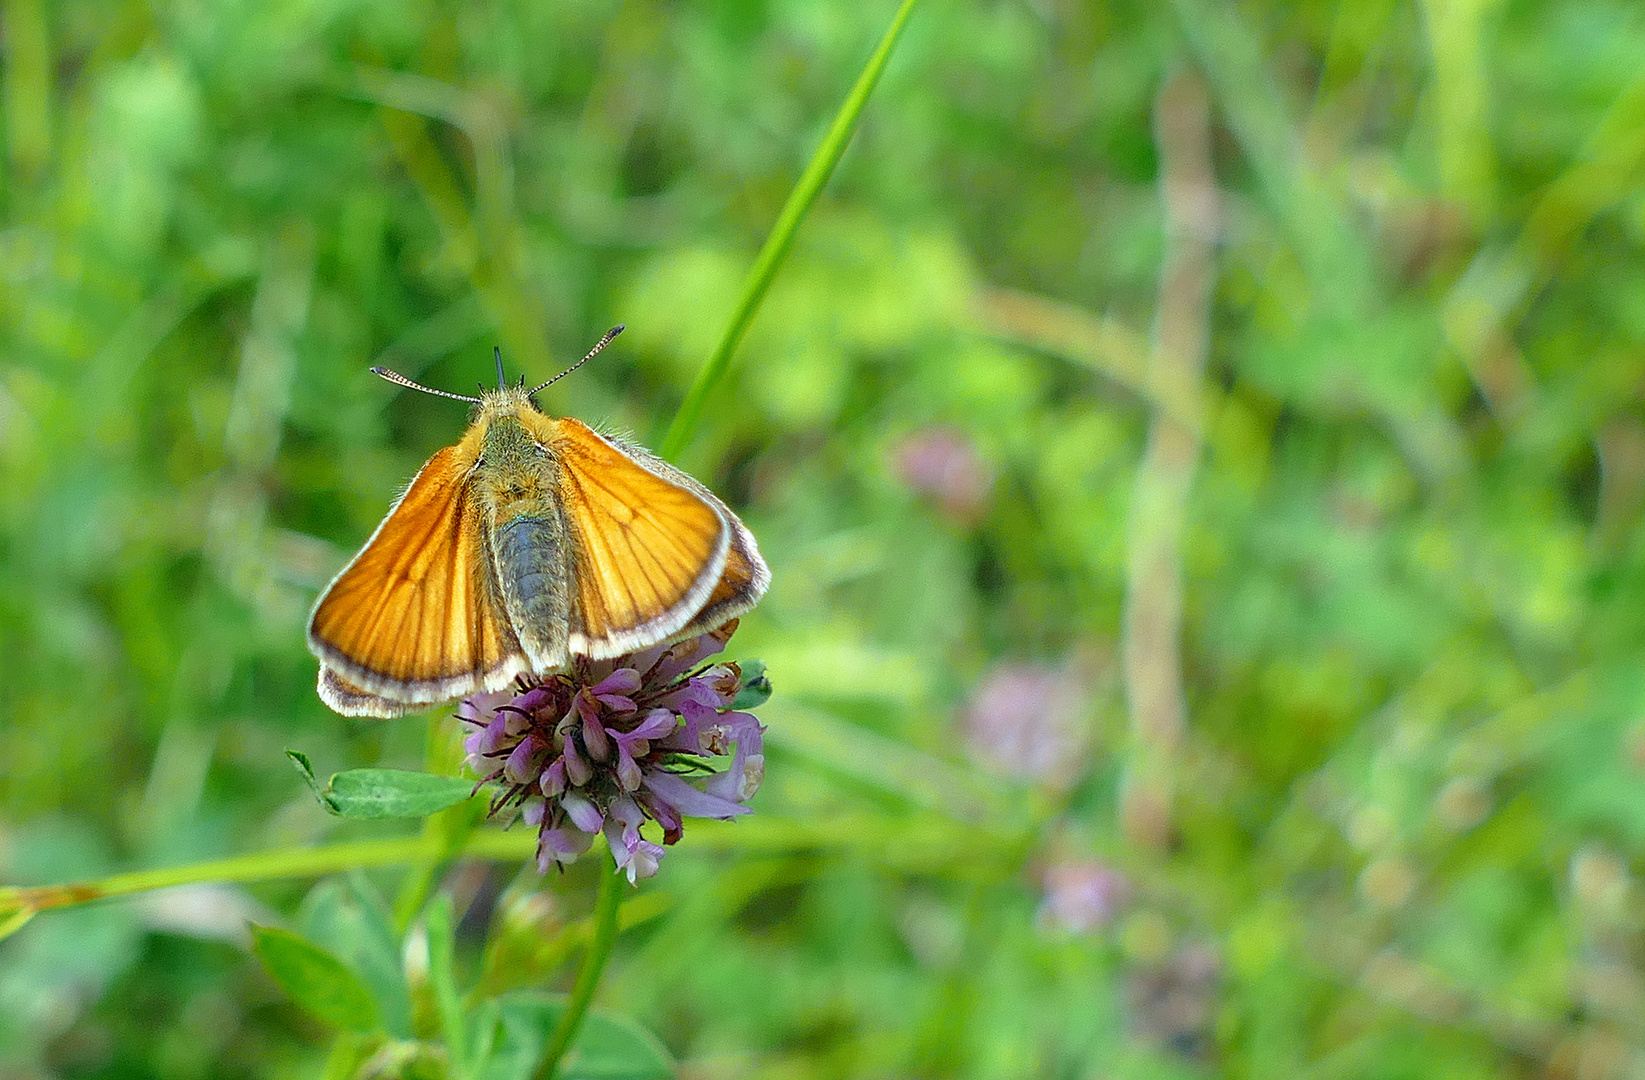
(1028, 720)
(1082, 895)
(942, 464)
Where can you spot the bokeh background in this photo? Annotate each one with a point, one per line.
(1199, 447)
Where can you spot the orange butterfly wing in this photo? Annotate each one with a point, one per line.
(414, 619)
(647, 550)
(741, 585)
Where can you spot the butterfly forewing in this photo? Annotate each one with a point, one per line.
(414, 618)
(645, 551)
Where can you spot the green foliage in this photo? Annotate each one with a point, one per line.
(347, 971)
(350, 919)
(442, 979)
(608, 1048)
(315, 979)
(383, 793)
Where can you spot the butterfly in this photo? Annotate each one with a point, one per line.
(533, 540)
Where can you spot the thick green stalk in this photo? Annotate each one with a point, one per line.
(604, 937)
(782, 238)
(929, 844)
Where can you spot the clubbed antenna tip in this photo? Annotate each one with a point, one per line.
(610, 335)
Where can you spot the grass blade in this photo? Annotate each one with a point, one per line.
(782, 238)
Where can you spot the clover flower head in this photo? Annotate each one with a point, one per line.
(612, 744)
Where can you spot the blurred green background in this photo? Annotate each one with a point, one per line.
(1199, 449)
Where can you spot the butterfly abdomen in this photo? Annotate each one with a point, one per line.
(530, 559)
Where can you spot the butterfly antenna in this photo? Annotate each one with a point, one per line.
(400, 380)
(497, 354)
(598, 345)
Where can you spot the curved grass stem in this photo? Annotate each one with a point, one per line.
(19, 903)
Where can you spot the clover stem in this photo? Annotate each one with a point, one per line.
(606, 903)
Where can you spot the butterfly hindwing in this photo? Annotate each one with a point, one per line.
(741, 585)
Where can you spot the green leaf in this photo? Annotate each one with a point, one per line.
(484, 1025)
(380, 953)
(608, 1047)
(315, 979)
(523, 1028)
(612, 1047)
(442, 978)
(383, 793)
(300, 760)
(756, 688)
(352, 921)
(393, 793)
